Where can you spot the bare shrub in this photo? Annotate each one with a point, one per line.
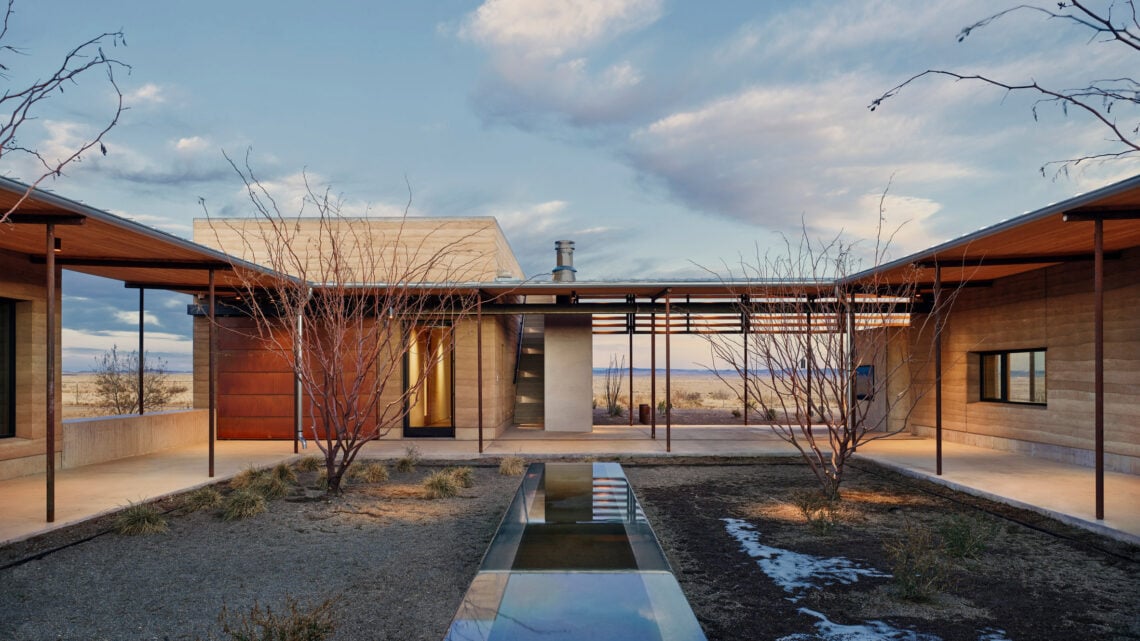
(919, 569)
(409, 460)
(294, 623)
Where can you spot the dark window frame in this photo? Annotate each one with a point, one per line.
(1003, 394)
(8, 424)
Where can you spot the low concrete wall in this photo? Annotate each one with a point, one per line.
(94, 440)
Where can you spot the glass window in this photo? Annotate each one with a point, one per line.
(1013, 377)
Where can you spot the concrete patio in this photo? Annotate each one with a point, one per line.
(1062, 491)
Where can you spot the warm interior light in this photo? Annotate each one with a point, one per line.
(58, 245)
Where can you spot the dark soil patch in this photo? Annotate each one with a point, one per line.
(1036, 579)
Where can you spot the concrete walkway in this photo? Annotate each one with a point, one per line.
(1063, 491)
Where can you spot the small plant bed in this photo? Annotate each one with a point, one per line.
(762, 555)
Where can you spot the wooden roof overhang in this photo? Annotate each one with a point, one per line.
(675, 307)
(1055, 234)
(95, 242)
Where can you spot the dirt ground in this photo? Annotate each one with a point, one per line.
(399, 564)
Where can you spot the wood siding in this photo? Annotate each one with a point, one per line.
(383, 249)
(1049, 308)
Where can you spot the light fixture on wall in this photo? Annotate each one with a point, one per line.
(58, 245)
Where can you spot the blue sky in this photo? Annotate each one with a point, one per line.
(664, 137)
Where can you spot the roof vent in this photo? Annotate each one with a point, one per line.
(564, 271)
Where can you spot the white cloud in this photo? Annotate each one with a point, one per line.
(149, 93)
(553, 29)
(157, 342)
(776, 154)
(132, 318)
(544, 59)
(192, 144)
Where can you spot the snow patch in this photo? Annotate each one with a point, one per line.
(826, 630)
(793, 571)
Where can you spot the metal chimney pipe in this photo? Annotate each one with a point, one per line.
(564, 270)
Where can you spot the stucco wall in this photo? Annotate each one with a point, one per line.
(1049, 308)
(95, 440)
(568, 372)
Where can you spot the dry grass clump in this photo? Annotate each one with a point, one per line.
(292, 624)
(203, 498)
(284, 472)
(242, 504)
(310, 463)
(512, 466)
(370, 472)
(440, 485)
(140, 518)
(409, 460)
(464, 476)
(247, 477)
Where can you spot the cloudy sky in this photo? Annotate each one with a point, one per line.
(664, 137)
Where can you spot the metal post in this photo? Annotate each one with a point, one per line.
(745, 321)
(938, 370)
(1098, 357)
(668, 378)
(212, 375)
(807, 365)
(479, 362)
(142, 352)
(630, 326)
(653, 374)
(298, 417)
(50, 440)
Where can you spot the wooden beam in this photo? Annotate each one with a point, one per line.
(994, 261)
(155, 263)
(45, 217)
(1087, 214)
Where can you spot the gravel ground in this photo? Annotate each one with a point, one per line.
(398, 564)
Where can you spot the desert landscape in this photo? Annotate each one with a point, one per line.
(80, 395)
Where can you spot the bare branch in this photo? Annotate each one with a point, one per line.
(20, 105)
(1096, 99)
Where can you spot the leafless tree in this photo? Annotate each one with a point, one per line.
(116, 382)
(18, 105)
(1116, 25)
(829, 347)
(342, 308)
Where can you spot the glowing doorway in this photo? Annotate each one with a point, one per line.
(429, 364)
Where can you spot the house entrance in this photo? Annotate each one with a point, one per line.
(429, 364)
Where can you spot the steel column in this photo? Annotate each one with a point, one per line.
(298, 418)
(212, 374)
(50, 440)
(745, 319)
(630, 325)
(479, 363)
(142, 351)
(1098, 357)
(653, 375)
(668, 378)
(938, 370)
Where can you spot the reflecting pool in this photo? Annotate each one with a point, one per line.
(574, 558)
